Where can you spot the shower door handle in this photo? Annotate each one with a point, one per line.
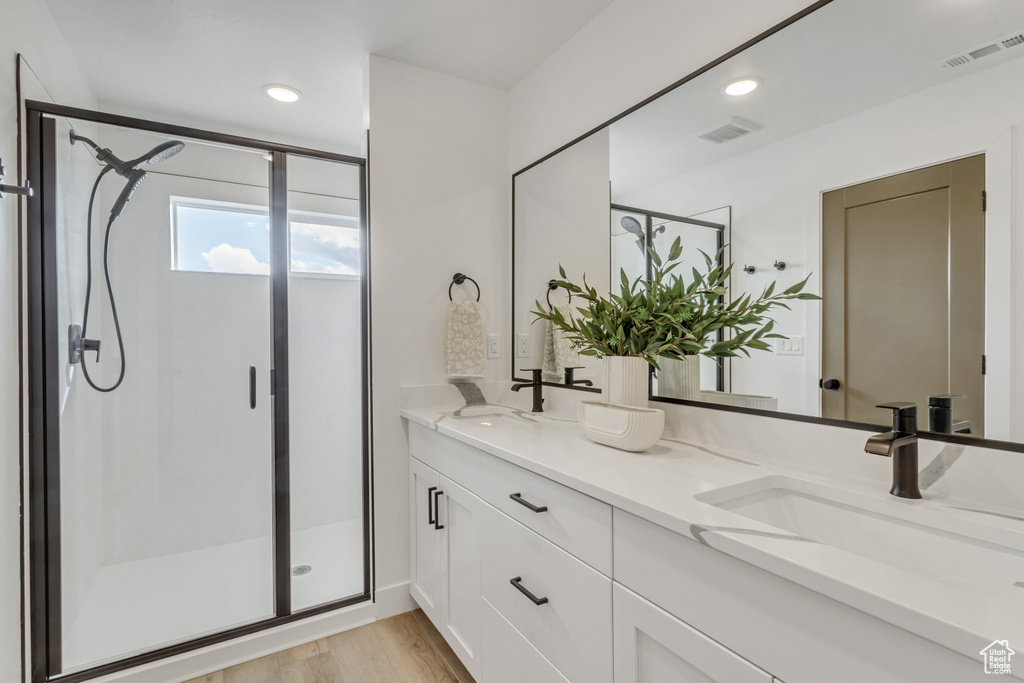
(252, 387)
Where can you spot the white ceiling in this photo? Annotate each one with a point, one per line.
(847, 57)
(210, 58)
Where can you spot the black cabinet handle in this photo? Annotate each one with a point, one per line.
(430, 505)
(525, 503)
(252, 387)
(829, 384)
(518, 583)
(437, 510)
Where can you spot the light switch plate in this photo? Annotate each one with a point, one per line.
(522, 346)
(494, 346)
(794, 346)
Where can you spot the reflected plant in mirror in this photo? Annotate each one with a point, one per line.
(669, 319)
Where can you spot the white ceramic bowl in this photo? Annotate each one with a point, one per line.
(623, 427)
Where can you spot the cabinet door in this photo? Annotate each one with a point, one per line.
(425, 540)
(460, 573)
(652, 646)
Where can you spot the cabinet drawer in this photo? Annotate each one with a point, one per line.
(508, 656)
(573, 521)
(652, 646)
(573, 626)
(458, 461)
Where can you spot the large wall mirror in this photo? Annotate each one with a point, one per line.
(875, 154)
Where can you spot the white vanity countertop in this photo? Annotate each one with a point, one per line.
(659, 485)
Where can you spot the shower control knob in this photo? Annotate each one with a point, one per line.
(91, 345)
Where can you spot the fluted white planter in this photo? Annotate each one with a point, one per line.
(625, 381)
(679, 378)
(624, 427)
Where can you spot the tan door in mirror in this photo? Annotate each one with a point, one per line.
(903, 315)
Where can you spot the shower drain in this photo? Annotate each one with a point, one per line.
(301, 570)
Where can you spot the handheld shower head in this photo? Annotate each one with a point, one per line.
(135, 178)
(161, 152)
(632, 225)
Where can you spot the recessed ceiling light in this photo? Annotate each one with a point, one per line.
(282, 93)
(741, 86)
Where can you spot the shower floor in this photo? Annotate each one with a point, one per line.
(137, 606)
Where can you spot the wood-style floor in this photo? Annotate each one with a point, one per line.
(402, 649)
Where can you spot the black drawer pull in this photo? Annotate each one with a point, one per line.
(437, 510)
(518, 583)
(516, 497)
(430, 505)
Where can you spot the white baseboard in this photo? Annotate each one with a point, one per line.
(394, 600)
(390, 601)
(222, 655)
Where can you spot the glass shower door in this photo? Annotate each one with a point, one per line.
(166, 476)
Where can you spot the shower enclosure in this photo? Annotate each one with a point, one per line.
(198, 452)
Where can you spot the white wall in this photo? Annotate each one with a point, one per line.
(630, 51)
(777, 216)
(439, 203)
(27, 28)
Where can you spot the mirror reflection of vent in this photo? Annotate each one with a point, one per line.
(724, 131)
(984, 50)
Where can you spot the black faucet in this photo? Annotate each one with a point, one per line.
(940, 415)
(537, 386)
(901, 445)
(570, 381)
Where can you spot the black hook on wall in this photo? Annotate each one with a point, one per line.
(749, 270)
(459, 279)
(780, 265)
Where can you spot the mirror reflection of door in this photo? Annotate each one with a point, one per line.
(903, 315)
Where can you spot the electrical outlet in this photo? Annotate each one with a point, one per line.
(794, 346)
(494, 346)
(522, 346)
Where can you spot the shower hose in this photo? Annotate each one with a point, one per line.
(110, 291)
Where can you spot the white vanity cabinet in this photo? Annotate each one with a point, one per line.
(424, 540)
(532, 581)
(445, 559)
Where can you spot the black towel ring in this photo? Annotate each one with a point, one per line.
(459, 279)
(552, 287)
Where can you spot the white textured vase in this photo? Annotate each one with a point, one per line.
(679, 378)
(625, 381)
(625, 427)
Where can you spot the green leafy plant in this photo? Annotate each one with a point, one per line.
(667, 317)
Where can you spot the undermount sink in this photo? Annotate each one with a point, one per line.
(489, 415)
(922, 539)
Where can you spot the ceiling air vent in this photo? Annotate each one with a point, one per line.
(984, 50)
(724, 131)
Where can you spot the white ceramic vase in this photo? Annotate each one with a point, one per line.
(625, 381)
(679, 378)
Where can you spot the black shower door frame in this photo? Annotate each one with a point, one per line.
(42, 374)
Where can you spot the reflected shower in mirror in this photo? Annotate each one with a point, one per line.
(874, 157)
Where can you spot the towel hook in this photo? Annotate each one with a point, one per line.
(552, 287)
(459, 279)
